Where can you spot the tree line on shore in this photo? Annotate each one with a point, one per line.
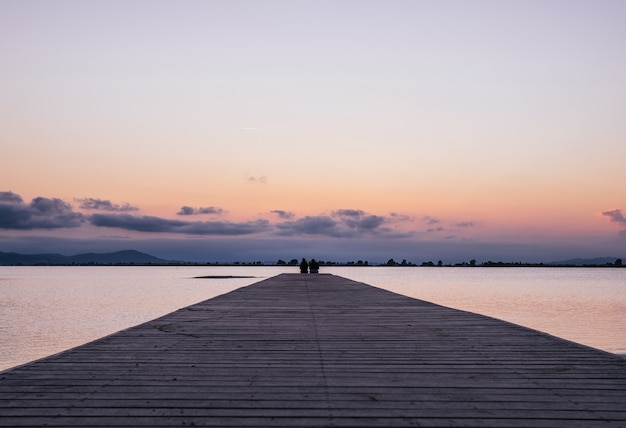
(136, 258)
(471, 263)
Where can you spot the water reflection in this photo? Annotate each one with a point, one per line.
(45, 310)
(583, 305)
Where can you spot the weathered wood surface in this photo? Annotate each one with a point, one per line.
(319, 350)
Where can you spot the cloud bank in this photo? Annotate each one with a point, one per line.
(342, 223)
(41, 213)
(185, 210)
(52, 213)
(104, 205)
(283, 214)
(615, 216)
(162, 225)
(369, 236)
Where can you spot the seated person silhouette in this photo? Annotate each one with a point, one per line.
(304, 266)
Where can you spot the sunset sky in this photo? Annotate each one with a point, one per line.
(341, 130)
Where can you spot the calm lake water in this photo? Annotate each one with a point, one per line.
(45, 310)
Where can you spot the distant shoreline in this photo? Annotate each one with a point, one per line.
(237, 264)
(137, 258)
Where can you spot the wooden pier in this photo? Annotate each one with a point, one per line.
(319, 351)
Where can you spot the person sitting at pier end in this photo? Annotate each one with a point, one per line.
(314, 266)
(304, 266)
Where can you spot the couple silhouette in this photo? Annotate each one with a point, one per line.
(310, 267)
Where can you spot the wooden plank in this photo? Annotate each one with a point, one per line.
(319, 350)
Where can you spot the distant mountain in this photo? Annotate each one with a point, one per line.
(582, 262)
(118, 257)
(8, 259)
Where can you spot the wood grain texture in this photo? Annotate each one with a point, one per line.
(319, 350)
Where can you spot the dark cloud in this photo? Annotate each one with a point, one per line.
(466, 224)
(104, 205)
(615, 216)
(358, 220)
(161, 225)
(283, 214)
(369, 222)
(199, 211)
(435, 229)
(209, 210)
(186, 211)
(342, 223)
(310, 225)
(430, 220)
(399, 217)
(348, 213)
(10, 198)
(41, 213)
